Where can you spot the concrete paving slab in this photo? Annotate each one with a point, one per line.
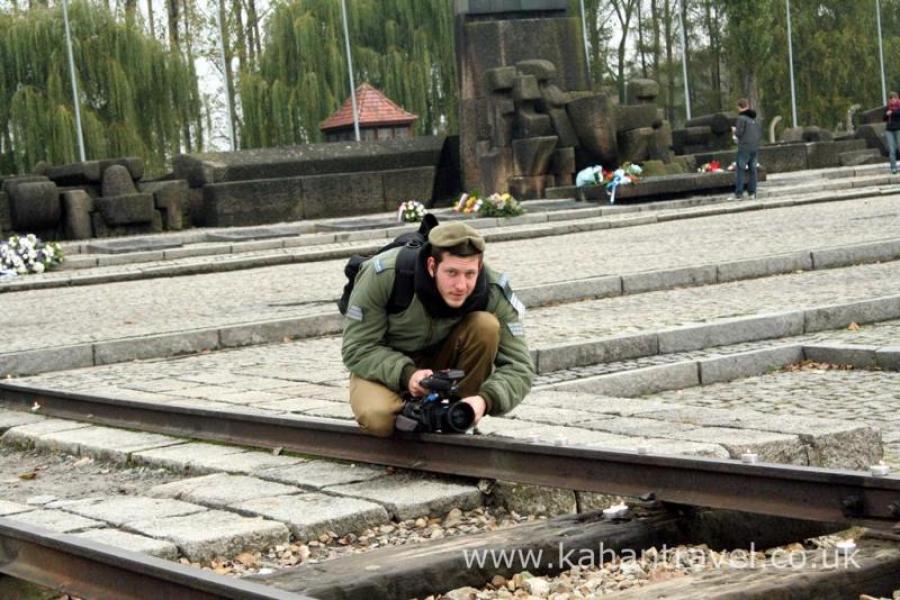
(407, 496)
(636, 426)
(550, 414)
(193, 457)
(41, 500)
(246, 397)
(103, 443)
(580, 436)
(297, 405)
(201, 391)
(830, 443)
(8, 508)
(528, 499)
(206, 535)
(704, 416)
(211, 458)
(595, 403)
(56, 520)
(120, 511)
(333, 411)
(212, 406)
(162, 385)
(317, 474)
(27, 435)
(504, 427)
(310, 515)
(262, 384)
(132, 542)
(771, 447)
(220, 490)
(12, 418)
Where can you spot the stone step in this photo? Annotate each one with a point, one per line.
(280, 292)
(145, 249)
(861, 157)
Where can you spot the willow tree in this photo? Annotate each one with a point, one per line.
(133, 92)
(402, 47)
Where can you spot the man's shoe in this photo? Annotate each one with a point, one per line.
(753, 196)
(738, 196)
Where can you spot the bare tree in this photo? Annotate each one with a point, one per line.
(150, 18)
(624, 10)
(172, 11)
(669, 35)
(229, 76)
(713, 17)
(642, 46)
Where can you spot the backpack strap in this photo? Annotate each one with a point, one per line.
(404, 278)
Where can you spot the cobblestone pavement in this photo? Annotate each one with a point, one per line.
(870, 397)
(319, 359)
(657, 310)
(43, 318)
(885, 333)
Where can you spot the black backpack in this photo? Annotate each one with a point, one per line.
(404, 281)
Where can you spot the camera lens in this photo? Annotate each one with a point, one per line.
(459, 417)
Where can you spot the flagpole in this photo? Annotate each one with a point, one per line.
(791, 65)
(75, 101)
(350, 69)
(684, 69)
(881, 51)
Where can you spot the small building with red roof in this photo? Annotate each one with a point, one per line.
(380, 118)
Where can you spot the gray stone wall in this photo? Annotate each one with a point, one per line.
(311, 159)
(259, 201)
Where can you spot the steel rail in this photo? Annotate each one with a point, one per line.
(827, 495)
(97, 571)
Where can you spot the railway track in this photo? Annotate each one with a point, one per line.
(96, 571)
(811, 493)
(92, 570)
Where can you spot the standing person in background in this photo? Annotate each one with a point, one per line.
(892, 128)
(748, 133)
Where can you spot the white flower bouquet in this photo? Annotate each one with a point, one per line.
(20, 255)
(411, 211)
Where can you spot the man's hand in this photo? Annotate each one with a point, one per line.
(478, 405)
(414, 388)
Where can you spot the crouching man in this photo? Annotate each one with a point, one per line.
(462, 315)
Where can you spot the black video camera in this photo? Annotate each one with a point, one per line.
(439, 411)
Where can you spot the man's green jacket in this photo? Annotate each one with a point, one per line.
(377, 345)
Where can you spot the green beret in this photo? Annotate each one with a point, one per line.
(460, 239)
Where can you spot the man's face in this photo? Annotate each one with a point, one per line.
(455, 277)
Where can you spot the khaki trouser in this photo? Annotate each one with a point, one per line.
(471, 346)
